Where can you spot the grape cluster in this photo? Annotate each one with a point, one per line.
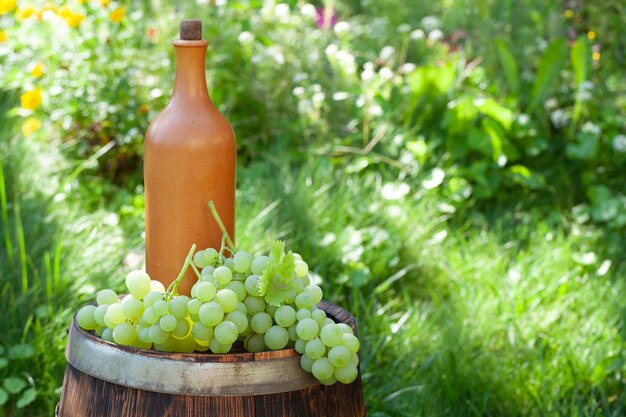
(265, 302)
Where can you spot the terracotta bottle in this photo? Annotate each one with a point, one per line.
(189, 159)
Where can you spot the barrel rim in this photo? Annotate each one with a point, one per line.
(231, 374)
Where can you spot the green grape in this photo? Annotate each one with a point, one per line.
(306, 363)
(223, 275)
(151, 298)
(160, 307)
(124, 334)
(315, 292)
(239, 319)
(238, 288)
(107, 297)
(85, 318)
(304, 300)
(322, 369)
(252, 285)
(328, 321)
(144, 335)
(276, 338)
(132, 308)
(254, 305)
(226, 332)
(182, 329)
(291, 296)
(241, 262)
(297, 286)
(141, 344)
(346, 374)
(157, 286)
(260, 322)
(271, 310)
(204, 258)
(204, 291)
(315, 349)
(246, 333)
(258, 264)
(254, 343)
(227, 299)
(207, 273)
(297, 256)
(138, 284)
(330, 381)
(242, 308)
(303, 313)
(178, 306)
(307, 329)
(150, 316)
(301, 269)
(168, 345)
(185, 344)
(319, 316)
(354, 359)
(293, 332)
(339, 356)
(331, 335)
(99, 313)
(107, 334)
(202, 332)
(301, 346)
(217, 347)
(351, 342)
(285, 316)
(114, 314)
(157, 335)
(193, 306)
(228, 263)
(167, 323)
(345, 329)
(211, 314)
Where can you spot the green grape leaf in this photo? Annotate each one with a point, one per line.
(3, 362)
(21, 351)
(4, 396)
(14, 384)
(278, 277)
(27, 397)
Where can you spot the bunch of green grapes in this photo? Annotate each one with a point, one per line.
(264, 302)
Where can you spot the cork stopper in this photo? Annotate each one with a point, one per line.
(191, 30)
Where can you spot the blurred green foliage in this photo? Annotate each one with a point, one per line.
(453, 170)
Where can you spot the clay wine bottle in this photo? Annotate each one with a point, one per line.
(189, 159)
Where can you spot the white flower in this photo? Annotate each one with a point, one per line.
(417, 34)
(375, 110)
(360, 102)
(245, 37)
(340, 95)
(341, 28)
(619, 143)
(277, 54)
(300, 76)
(591, 128)
(385, 73)
(367, 75)
(368, 66)
(404, 28)
(551, 103)
(298, 91)
(430, 23)
(407, 68)
(331, 50)
(435, 35)
(316, 88)
(308, 10)
(523, 119)
(387, 52)
(394, 191)
(559, 118)
(318, 97)
(281, 10)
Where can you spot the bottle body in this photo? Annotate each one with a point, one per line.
(189, 160)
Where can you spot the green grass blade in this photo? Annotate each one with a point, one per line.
(581, 59)
(19, 228)
(511, 70)
(550, 66)
(5, 215)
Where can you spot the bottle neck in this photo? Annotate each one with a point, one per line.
(190, 82)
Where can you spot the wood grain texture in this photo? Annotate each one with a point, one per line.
(87, 396)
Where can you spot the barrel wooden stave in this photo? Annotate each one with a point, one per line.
(86, 396)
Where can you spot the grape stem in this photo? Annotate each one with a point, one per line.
(172, 290)
(226, 237)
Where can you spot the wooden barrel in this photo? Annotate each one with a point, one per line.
(106, 380)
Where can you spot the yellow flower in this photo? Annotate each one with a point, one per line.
(37, 70)
(591, 35)
(74, 19)
(64, 11)
(118, 14)
(568, 13)
(144, 109)
(49, 7)
(25, 11)
(83, 1)
(31, 99)
(596, 56)
(104, 3)
(3, 36)
(30, 126)
(6, 6)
